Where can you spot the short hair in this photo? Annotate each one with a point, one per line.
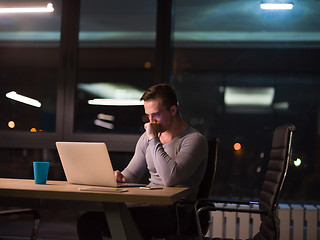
(161, 91)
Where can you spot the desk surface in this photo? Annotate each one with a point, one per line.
(61, 190)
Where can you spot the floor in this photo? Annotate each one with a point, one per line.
(53, 226)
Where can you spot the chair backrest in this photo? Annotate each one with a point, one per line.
(280, 156)
(206, 185)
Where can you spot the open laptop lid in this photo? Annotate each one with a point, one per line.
(86, 163)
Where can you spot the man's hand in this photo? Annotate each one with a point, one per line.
(152, 130)
(119, 177)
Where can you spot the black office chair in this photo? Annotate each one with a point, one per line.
(269, 196)
(206, 185)
(205, 190)
(34, 213)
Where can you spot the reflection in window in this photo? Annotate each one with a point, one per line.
(28, 100)
(118, 23)
(286, 98)
(117, 45)
(28, 70)
(230, 23)
(241, 71)
(32, 29)
(109, 107)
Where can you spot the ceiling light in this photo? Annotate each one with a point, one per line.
(111, 90)
(23, 99)
(103, 124)
(116, 102)
(276, 5)
(23, 8)
(244, 96)
(107, 117)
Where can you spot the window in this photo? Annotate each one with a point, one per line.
(117, 44)
(240, 72)
(29, 45)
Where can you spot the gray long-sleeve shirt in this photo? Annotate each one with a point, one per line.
(180, 162)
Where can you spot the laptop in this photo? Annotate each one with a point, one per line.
(88, 163)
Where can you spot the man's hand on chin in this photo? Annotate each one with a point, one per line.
(152, 130)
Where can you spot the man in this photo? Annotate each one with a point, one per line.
(174, 153)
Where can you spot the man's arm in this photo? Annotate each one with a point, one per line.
(137, 166)
(174, 170)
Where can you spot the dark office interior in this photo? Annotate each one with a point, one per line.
(239, 72)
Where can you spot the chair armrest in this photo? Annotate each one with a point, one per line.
(226, 201)
(209, 205)
(226, 209)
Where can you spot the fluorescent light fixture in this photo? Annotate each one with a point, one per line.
(281, 106)
(243, 96)
(103, 124)
(27, 9)
(106, 117)
(23, 99)
(116, 102)
(111, 90)
(276, 6)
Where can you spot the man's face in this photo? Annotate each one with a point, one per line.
(158, 114)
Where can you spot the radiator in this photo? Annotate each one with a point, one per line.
(297, 222)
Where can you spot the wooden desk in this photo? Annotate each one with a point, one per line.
(113, 203)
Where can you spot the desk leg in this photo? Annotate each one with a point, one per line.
(121, 224)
